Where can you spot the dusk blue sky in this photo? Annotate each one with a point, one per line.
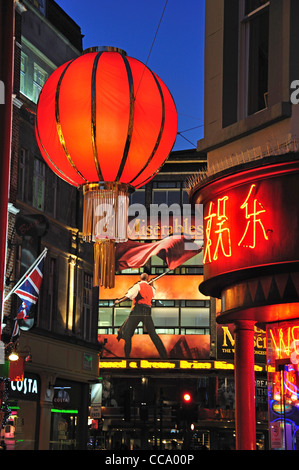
(177, 55)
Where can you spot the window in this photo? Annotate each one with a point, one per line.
(51, 193)
(23, 73)
(138, 197)
(192, 266)
(195, 317)
(39, 79)
(39, 184)
(254, 46)
(252, 5)
(169, 316)
(166, 193)
(120, 315)
(40, 5)
(105, 320)
(87, 307)
(21, 176)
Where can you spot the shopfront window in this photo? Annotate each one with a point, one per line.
(63, 429)
(20, 432)
(68, 415)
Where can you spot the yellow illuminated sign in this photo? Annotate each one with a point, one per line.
(175, 364)
(113, 364)
(144, 364)
(195, 365)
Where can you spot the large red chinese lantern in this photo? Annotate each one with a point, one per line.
(105, 123)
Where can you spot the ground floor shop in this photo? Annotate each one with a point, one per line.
(30, 419)
(148, 411)
(47, 403)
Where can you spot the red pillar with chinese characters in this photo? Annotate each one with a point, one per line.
(245, 385)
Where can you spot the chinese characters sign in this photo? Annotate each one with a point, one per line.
(218, 226)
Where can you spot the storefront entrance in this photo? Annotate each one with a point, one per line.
(63, 430)
(21, 429)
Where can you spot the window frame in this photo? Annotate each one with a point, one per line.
(244, 57)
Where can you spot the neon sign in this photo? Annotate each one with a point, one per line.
(171, 364)
(218, 230)
(283, 380)
(286, 342)
(252, 216)
(223, 232)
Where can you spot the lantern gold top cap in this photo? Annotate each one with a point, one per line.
(104, 49)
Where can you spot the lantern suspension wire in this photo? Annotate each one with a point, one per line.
(190, 129)
(179, 133)
(156, 33)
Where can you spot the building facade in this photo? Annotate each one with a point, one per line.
(142, 396)
(249, 198)
(59, 344)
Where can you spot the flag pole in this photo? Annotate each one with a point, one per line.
(160, 275)
(26, 274)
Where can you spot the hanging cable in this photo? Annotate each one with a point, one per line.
(191, 129)
(178, 133)
(151, 47)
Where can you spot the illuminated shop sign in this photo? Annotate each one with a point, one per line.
(283, 380)
(169, 364)
(285, 341)
(219, 227)
(27, 388)
(250, 222)
(226, 343)
(156, 226)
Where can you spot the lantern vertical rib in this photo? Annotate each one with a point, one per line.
(131, 119)
(58, 171)
(58, 122)
(160, 132)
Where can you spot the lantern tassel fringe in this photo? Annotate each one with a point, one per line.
(104, 263)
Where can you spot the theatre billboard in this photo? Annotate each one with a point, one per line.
(182, 288)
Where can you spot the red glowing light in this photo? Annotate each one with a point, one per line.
(187, 397)
(223, 232)
(220, 226)
(252, 218)
(105, 117)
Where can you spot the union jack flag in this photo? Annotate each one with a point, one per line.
(28, 291)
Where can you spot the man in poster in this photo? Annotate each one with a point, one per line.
(141, 295)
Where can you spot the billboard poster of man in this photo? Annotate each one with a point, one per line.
(176, 345)
(141, 294)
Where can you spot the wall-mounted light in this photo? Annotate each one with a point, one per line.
(13, 356)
